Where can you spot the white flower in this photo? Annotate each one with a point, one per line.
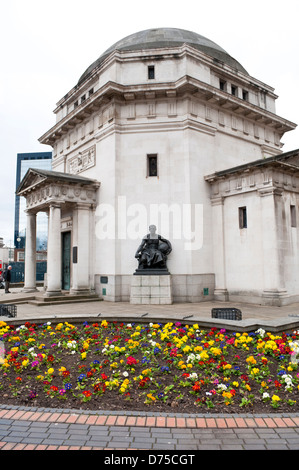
(222, 386)
(125, 374)
(266, 395)
(261, 332)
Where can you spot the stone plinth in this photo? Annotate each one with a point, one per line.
(151, 289)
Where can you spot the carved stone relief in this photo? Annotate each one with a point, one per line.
(82, 161)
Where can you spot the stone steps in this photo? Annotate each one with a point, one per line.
(42, 300)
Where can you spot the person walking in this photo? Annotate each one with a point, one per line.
(7, 279)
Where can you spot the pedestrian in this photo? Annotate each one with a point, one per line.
(7, 279)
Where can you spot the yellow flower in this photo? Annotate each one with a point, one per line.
(50, 371)
(149, 395)
(251, 360)
(25, 362)
(216, 351)
(275, 398)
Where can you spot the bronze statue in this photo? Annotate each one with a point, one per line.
(152, 253)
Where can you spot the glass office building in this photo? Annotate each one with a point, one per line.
(40, 160)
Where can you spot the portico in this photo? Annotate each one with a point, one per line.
(69, 201)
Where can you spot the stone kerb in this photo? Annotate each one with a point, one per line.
(151, 289)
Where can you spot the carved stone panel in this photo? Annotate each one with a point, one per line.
(82, 161)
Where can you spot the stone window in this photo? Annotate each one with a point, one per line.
(222, 85)
(245, 95)
(242, 217)
(234, 90)
(152, 165)
(151, 72)
(293, 216)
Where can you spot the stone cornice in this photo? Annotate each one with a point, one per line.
(267, 180)
(184, 86)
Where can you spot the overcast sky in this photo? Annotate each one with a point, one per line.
(47, 45)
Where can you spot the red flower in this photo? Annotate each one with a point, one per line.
(98, 387)
(131, 361)
(196, 387)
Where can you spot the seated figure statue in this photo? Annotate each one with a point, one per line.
(152, 252)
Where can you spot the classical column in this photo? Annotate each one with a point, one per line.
(81, 246)
(30, 253)
(220, 292)
(54, 251)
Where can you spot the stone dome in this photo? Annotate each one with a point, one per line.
(167, 37)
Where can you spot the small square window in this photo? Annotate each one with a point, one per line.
(76, 104)
(293, 216)
(242, 217)
(152, 165)
(151, 72)
(83, 98)
(90, 92)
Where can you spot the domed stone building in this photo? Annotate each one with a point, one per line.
(166, 128)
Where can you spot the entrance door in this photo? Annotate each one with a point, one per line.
(66, 260)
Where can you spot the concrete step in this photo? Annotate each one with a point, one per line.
(42, 300)
(63, 300)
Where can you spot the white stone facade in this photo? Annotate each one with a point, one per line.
(197, 116)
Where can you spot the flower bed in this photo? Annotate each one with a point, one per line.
(170, 367)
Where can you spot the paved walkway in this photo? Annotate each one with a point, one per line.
(45, 429)
(24, 428)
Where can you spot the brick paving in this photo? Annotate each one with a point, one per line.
(43, 429)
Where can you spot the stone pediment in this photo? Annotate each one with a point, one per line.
(42, 187)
